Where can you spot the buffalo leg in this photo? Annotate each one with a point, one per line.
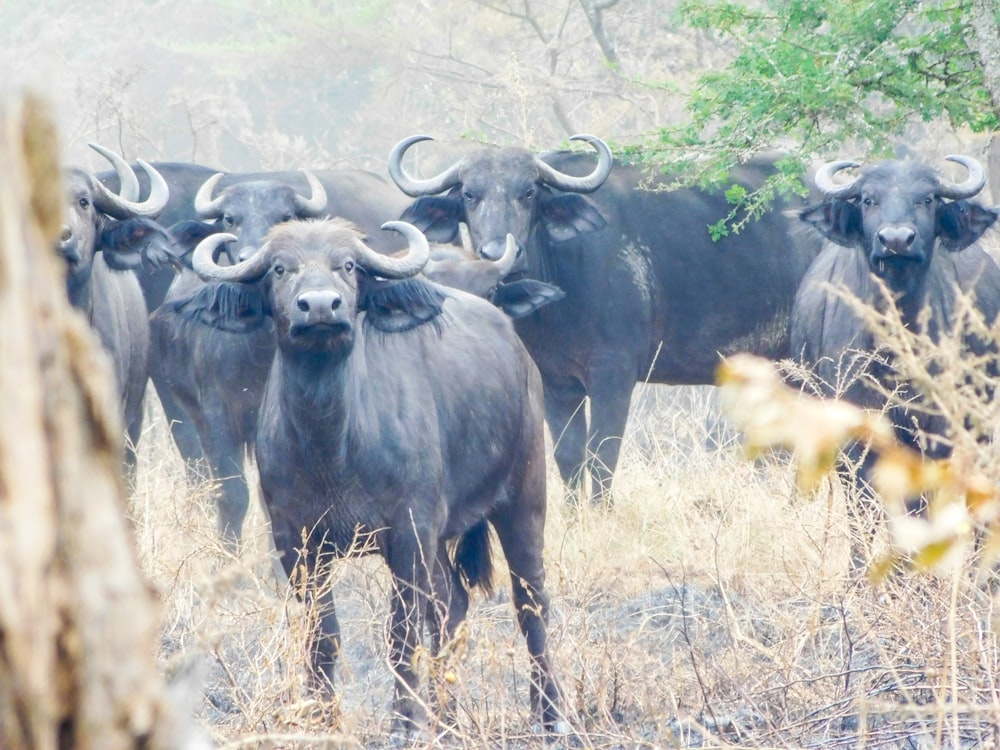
(610, 399)
(133, 431)
(446, 611)
(225, 456)
(864, 509)
(520, 528)
(567, 419)
(325, 639)
(182, 428)
(305, 572)
(411, 559)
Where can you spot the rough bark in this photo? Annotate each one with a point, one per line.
(986, 23)
(78, 623)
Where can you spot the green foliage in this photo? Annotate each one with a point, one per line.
(817, 78)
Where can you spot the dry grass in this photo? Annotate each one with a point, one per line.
(711, 607)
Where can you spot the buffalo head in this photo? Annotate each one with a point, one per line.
(315, 278)
(248, 210)
(499, 192)
(97, 219)
(896, 211)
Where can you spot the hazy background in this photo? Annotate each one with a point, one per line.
(291, 83)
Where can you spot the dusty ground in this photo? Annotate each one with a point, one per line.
(711, 607)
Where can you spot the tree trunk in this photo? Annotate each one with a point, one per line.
(986, 23)
(78, 624)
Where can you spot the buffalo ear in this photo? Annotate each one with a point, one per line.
(568, 215)
(396, 306)
(128, 243)
(186, 236)
(521, 298)
(837, 220)
(223, 305)
(960, 223)
(436, 216)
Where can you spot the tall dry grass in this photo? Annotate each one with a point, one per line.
(710, 607)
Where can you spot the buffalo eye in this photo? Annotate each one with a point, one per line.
(349, 266)
(469, 197)
(928, 200)
(279, 270)
(228, 220)
(529, 193)
(84, 202)
(868, 202)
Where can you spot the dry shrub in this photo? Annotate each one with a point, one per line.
(711, 606)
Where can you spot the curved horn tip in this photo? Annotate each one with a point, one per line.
(411, 139)
(397, 226)
(975, 182)
(315, 204)
(207, 247)
(204, 203)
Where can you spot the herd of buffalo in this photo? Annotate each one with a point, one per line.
(390, 350)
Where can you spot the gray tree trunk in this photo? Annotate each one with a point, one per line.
(78, 623)
(986, 23)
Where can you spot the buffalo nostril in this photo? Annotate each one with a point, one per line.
(896, 239)
(67, 234)
(493, 250)
(318, 301)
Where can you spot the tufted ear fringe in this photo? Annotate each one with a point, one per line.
(226, 306)
(397, 306)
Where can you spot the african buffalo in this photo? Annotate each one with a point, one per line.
(648, 294)
(404, 415)
(212, 380)
(361, 195)
(900, 233)
(105, 236)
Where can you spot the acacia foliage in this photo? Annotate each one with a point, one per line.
(819, 79)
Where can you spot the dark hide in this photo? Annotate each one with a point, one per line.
(397, 306)
(413, 440)
(648, 294)
(210, 379)
(131, 243)
(186, 235)
(99, 250)
(521, 298)
(210, 388)
(831, 339)
(236, 308)
(364, 198)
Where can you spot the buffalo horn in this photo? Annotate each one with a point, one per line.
(505, 263)
(122, 208)
(972, 185)
(397, 268)
(825, 183)
(129, 183)
(466, 237)
(413, 186)
(314, 205)
(204, 261)
(204, 206)
(590, 182)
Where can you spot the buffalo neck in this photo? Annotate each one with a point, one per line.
(80, 293)
(909, 294)
(314, 391)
